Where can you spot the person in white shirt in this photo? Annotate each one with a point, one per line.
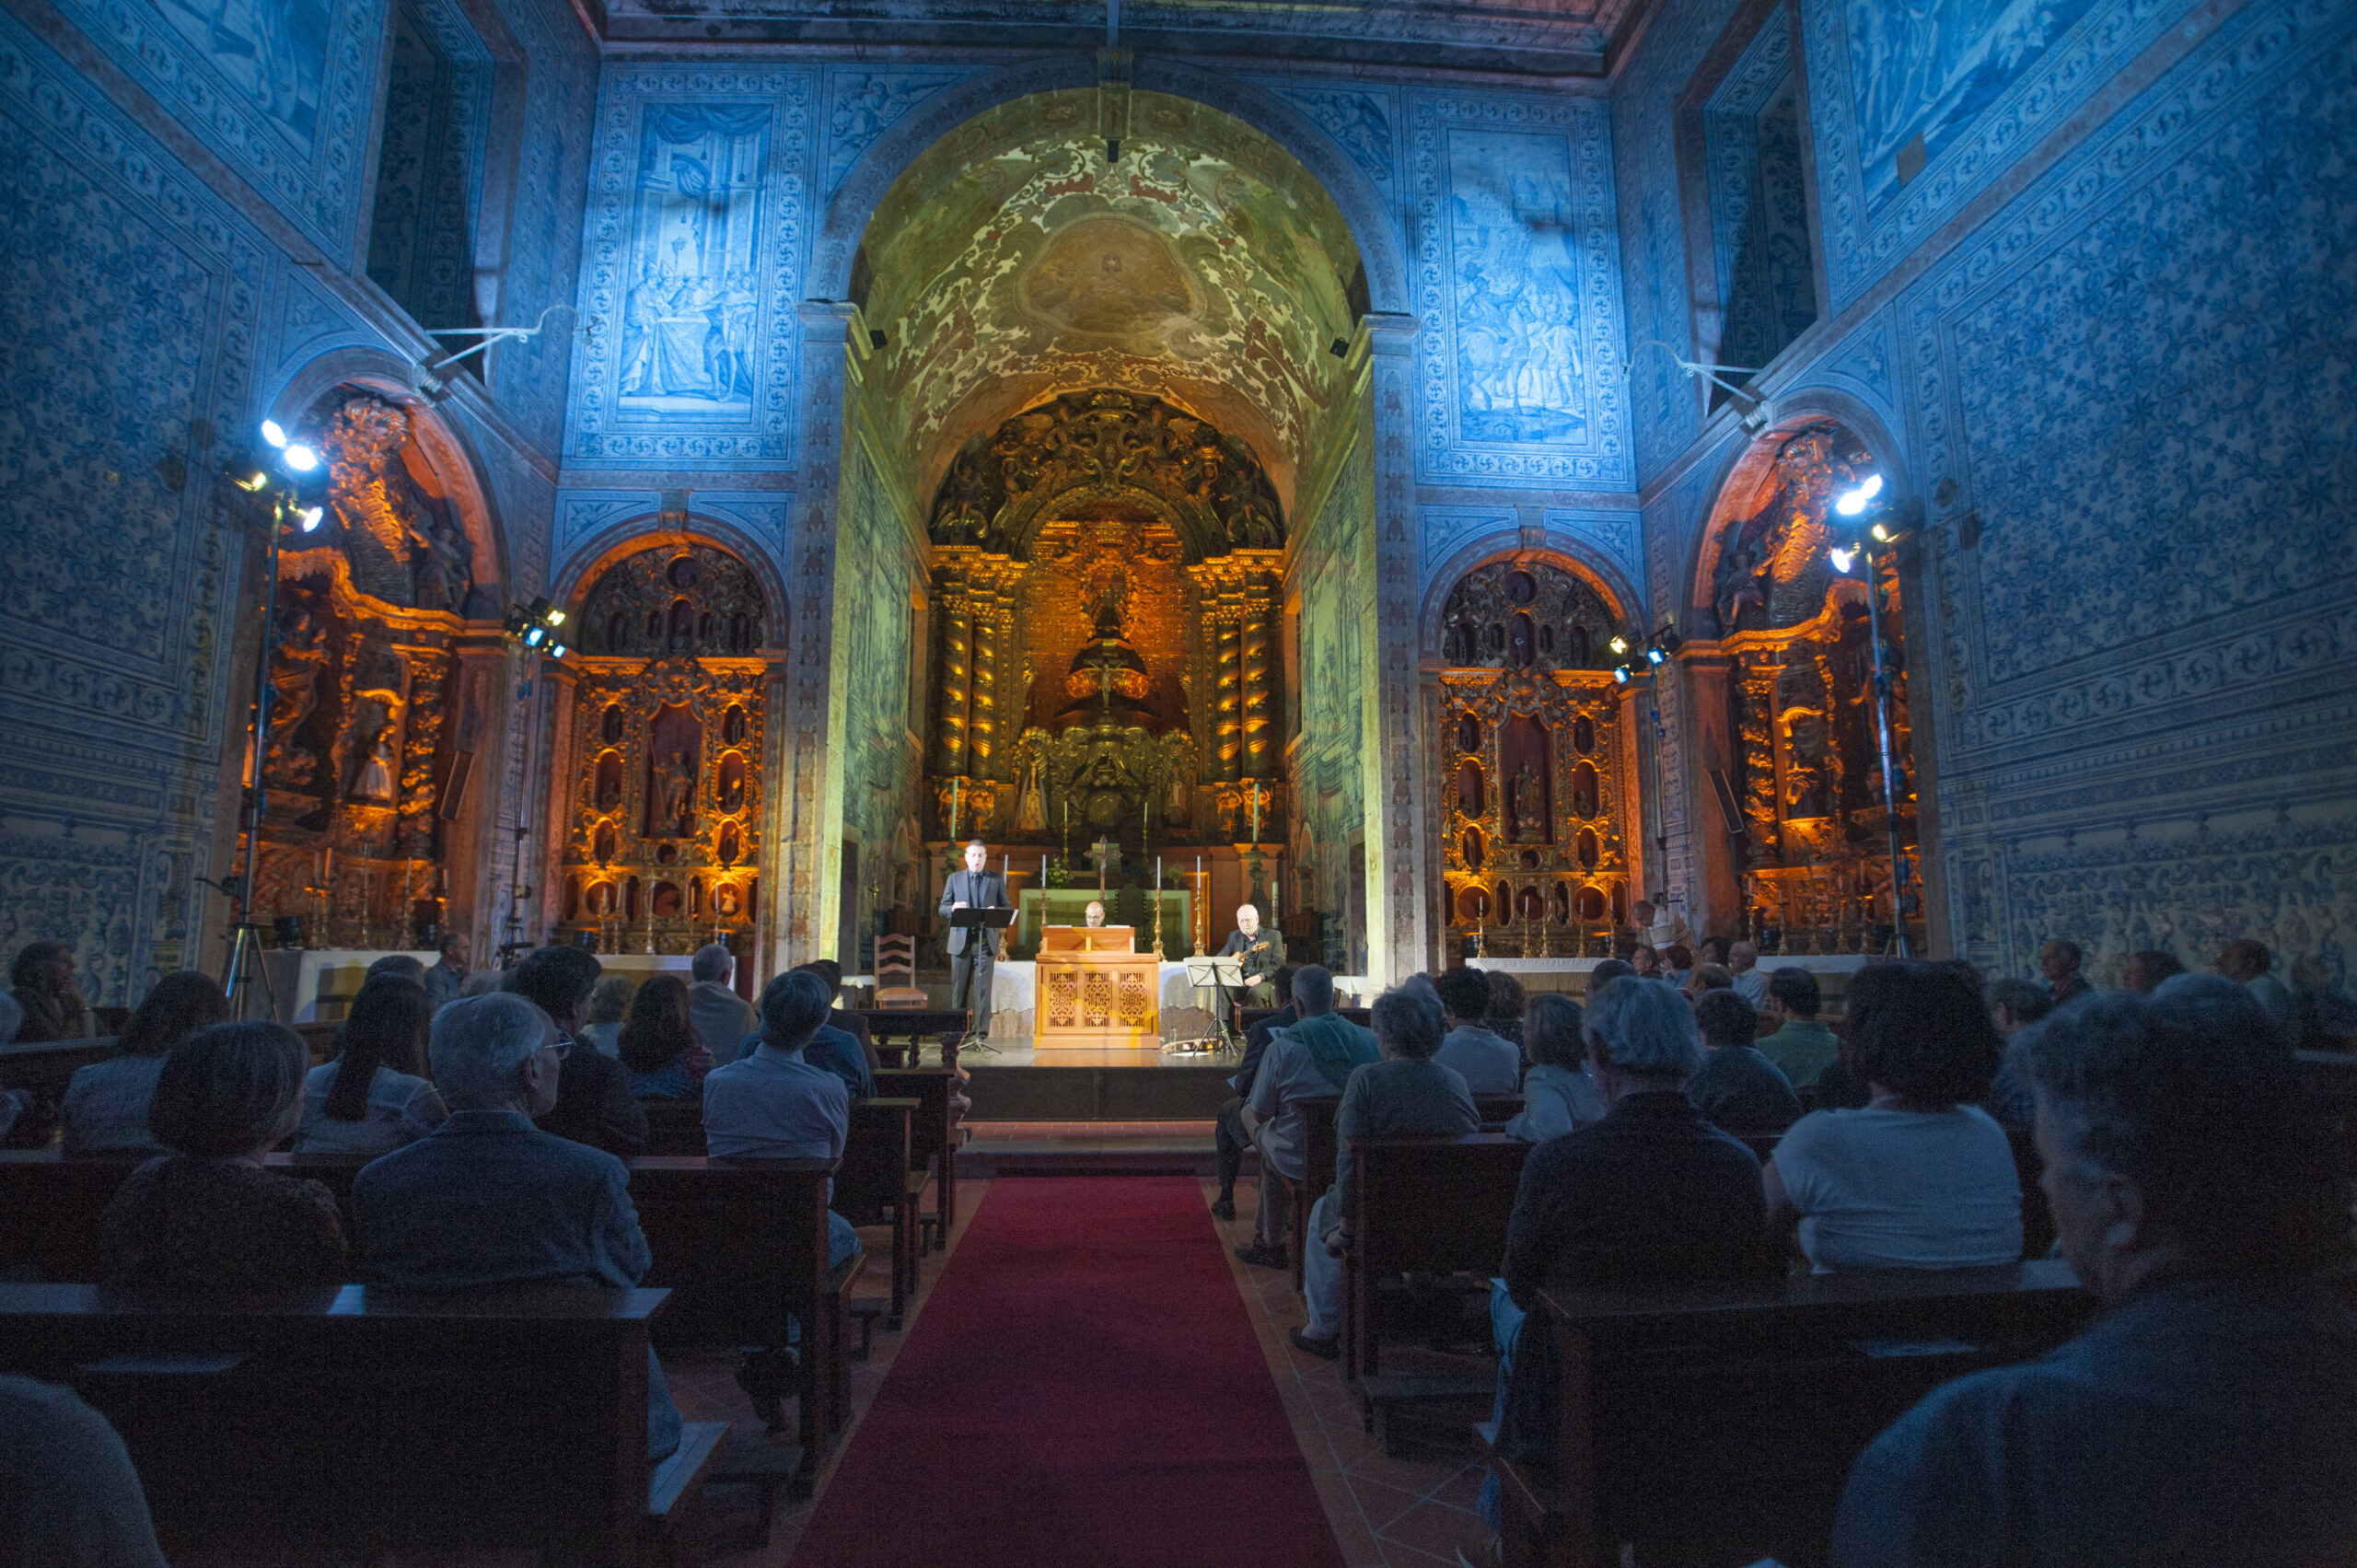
(1557, 1095)
(374, 1095)
(1488, 1061)
(1750, 980)
(1920, 1177)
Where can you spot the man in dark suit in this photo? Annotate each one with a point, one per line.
(973, 951)
(1261, 951)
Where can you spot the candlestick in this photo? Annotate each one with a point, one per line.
(1256, 811)
(956, 800)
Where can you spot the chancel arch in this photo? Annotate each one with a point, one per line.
(1530, 736)
(1787, 687)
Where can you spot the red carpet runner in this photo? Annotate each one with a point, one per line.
(1082, 1390)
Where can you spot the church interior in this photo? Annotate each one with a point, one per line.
(1040, 593)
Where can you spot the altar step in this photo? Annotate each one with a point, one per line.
(1090, 1148)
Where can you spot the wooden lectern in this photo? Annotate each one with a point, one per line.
(1094, 991)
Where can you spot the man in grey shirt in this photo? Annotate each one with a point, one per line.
(1314, 1056)
(1488, 1061)
(770, 1103)
(721, 1018)
(445, 979)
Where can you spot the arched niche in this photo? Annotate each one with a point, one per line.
(628, 537)
(1617, 595)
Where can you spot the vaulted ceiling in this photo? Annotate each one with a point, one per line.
(1014, 261)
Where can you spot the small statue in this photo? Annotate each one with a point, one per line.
(673, 781)
(1526, 798)
(376, 782)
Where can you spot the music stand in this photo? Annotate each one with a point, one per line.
(1221, 974)
(993, 919)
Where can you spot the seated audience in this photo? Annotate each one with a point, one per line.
(484, 982)
(45, 988)
(1920, 1177)
(1508, 1003)
(773, 1104)
(1649, 1193)
(1229, 1136)
(489, 1201)
(659, 1044)
(722, 1019)
(2219, 1008)
(1801, 1048)
(374, 1096)
(447, 979)
(1677, 963)
(1558, 1094)
(69, 1497)
(845, 1019)
(834, 1049)
(106, 1103)
(207, 1217)
(1313, 1056)
(1606, 972)
(1712, 950)
(2209, 1414)
(2250, 965)
(2142, 971)
(2059, 962)
(592, 1102)
(1407, 1091)
(2014, 1006)
(1645, 962)
(1736, 1088)
(1743, 963)
(399, 965)
(608, 1006)
(1488, 1063)
(1708, 977)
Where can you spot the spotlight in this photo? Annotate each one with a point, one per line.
(300, 459)
(310, 517)
(534, 636)
(1842, 558)
(272, 432)
(1854, 501)
(1654, 656)
(245, 473)
(1619, 645)
(554, 618)
(1882, 534)
(557, 650)
(539, 611)
(1621, 674)
(1667, 641)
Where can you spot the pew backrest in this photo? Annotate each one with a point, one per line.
(1436, 1205)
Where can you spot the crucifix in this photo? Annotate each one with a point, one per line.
(1106, 856)
(1104, 666)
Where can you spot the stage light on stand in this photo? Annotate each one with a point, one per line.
(1619, 645)
(245, 473)
(1842, 559)
(1621, 674)
(300, 459)
(1882, 534)
(309, 517)
(274, 433)
(1654, 656)
(1853, 502)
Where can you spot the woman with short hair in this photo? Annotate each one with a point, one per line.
(207, 1217)
(1558, 1096)
(374, 1095)
(106, 1102)
(1920, 1177)
(658, 1042)
(608, 1006)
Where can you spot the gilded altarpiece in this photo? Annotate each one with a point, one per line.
(1529, 752)
(667, 788)
(1815, 846)
(1105, 577)
(368, 753)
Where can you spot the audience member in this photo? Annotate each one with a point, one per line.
(106, 1102)
(484, 982)
(1736, 1088)
(1920, 1177)
(207, 1217)
(14, 1103)
(593, 1103)
(1488, 1063)
(1708, 977)
(447, 977)
(1313, 1056)
(2143, 969)
(1712, 950)
(54, 1009)
(374, 1096)
(400, 966)
(2014, 1006)
(1677, 963)
(1558, 1093)
(723, 1020)
(771, 1103)
(1229, 1136)
(659, 1045)
(1657, 927)
(488, 1201)
(835, 1050)
(2059, 962)
(1606, 971)
(608, 1006)
(2220, 1008)
(2250, 965)
(841, 1018)
(1651, 1193)
(1407, 1091)
(1508, 1003)
(69, 1497)
(1645, 962)
(2210, 1414)
(1750, 980)
(1801, 1048)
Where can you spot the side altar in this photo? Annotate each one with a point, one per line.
(1096, 990)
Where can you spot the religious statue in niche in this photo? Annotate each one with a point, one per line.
(1527, 798)
(1771, 569)
(294, 669)
(1531, 615)
(402, 548)
(1030, 795)
(674, 790)
(726, 902)
(376, 781)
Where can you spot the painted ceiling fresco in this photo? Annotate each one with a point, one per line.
(1012, 261)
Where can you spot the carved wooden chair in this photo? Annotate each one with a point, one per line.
(898, 956)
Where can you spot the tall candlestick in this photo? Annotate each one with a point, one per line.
(1256, 811)
(957, 799)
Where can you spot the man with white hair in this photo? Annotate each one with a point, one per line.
(721, 1018)
(1651, 1193)
(489, 1201)
(1750, 980)
(1261, 952)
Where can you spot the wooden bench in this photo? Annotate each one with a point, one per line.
(934, 1138)
(913, 1025)
(674, 1126)
(1717, 1424)
(2331, 1080)
(1320, 1156)
(1422, 1206)
(872, 1186)
(346, 1422)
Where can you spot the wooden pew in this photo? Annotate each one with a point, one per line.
(934, 1139)
(2331, 1080)
(346, 1422)
(911, 1024)
(872, 1186)
(674, 1126)
(1422, 1206)
(1709, 1423)
(1321, 1156)
(42, 1069)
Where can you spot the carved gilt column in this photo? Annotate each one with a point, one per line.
(1256, 659)
(954, 594)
